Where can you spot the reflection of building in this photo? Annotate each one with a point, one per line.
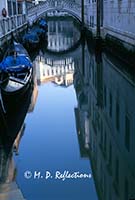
(18, 138)
(62, 35)
(33, 97)
(107, 126)
(81, 133)
(59, 71)
(65, 79)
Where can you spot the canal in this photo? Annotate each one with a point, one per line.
(76, 124)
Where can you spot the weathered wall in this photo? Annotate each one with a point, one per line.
(3, 4)
(118, 18)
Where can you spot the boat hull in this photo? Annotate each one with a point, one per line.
(15, 86)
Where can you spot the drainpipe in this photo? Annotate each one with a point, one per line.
(16, 7)
(12, 11)
(24, 7)
(98, 33)
(82, 13)
(98, 28)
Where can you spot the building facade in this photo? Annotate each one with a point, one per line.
(117, 18)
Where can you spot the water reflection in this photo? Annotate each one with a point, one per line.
(105, 124)
(59, 71)
(12, 128)
(91, 131)
(62, 36)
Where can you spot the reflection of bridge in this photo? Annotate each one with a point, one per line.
(71, 7)
(74, 52)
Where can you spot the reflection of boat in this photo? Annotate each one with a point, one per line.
(33, 96)
(17, 139)
(16, 70)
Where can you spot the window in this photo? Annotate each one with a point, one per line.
(127, 132)
(117, 116)
(101, 139)
(9, 8)
(110, 105)
(14, 8)
(110, 155)
(105, 96)
(92, 21)
(105, 143)
(48, 73)
(117, 171)
(126, 189)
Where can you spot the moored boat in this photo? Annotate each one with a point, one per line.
(16, 70)
(31, 40)
(42, 34)
(43, 24)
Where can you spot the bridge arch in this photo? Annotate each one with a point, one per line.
(72, 8)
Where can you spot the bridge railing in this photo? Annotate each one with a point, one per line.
(9, 24)
(36, 11)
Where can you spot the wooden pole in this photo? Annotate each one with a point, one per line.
(98, 32)
(82, 13)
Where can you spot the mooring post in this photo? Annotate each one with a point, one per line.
(98, 28)
(98, 33)
(82, 13)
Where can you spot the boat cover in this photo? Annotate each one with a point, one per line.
(16, 48)
(42, 22)
(31, 36)
(15, 64)
(39, 31)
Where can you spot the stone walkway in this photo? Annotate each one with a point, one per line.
(10, 192)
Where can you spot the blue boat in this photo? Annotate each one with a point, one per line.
(42, 34)
(31, 40)
(43, 24)
(15, 70)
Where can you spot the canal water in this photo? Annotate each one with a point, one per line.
(76, 136)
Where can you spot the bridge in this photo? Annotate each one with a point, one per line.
(70, 7)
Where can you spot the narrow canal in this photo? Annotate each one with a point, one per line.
(76, 140)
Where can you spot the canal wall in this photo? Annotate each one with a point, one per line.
(123, 51)
(10, 191)
(117, 22)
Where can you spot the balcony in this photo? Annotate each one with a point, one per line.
(10, 24)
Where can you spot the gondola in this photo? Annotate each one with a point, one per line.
(15, 70)
(31, 40)
(12, 127)
(42, 34)
(43, 24)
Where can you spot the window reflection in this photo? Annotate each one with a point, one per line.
(107, 95)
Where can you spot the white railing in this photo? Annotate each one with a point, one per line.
(9, 24)
(63, 5)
